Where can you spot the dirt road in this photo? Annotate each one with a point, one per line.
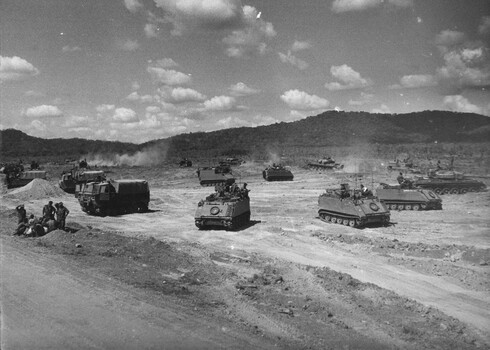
(436, 258)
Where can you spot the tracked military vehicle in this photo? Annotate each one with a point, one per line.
(277, 173)
(327, 163)
(445, 182)
(347, 207)
(395, 197)
(185, 163)
(114, 197)
(211, 176)
(15, 176)
(230, 209)
(72, 180)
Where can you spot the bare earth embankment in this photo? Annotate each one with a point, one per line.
(288, 280)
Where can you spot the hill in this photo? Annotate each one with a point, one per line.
(329, 129)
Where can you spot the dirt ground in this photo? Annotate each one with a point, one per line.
(288, 280)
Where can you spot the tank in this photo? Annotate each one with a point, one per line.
(211, 176)
(397, 198)
(184, 163)
(71, 180)
(15, 176)
(230, 209)
(325, 163)
(277, 173)
(445, 182)
(347, 207)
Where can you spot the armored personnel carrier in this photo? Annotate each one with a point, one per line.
(445, 182)
(325, 163)
(395, 197)
(347, 207)
(185, 163)
(114, 197)
(230, 209)
(72, 180)
(277, 173)
(15, 176)
(211, 176)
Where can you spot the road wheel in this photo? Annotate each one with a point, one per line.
(423, 206)
(472, 189)
(352, 223)
(416, 207)
(445, 191)
(334, 220)
(393, 206)
(438, 190)
(454, 191)
(463, 190)
(401, 207)
(408, 207)
(346, 222)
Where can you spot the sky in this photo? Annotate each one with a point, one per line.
(140, 70)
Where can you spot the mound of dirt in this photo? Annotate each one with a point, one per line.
(36, 189)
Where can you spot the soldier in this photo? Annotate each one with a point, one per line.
(400, 178)
(61, 214)
(365, 192)
(344, 191)
(48, 212)
(21, 220)
(245, 190)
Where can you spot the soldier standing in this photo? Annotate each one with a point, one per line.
(400, 178)
(48, 212)
(61, 214)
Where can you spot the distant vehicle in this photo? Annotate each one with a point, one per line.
(185, 163)
(211, 176)
(445, 182)
(71, 180)
(327, 163)
(347, 207)
(277, 172)
(397, 198)
(114, 197)
(230, 210)
(233, 161)
(15, 176)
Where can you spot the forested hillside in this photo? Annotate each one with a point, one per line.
(329, 129)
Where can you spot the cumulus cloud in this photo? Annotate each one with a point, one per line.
(220, 103)
(134, 96)
(484, 27)
(163, 63)
(459, 103)
(125, 115)
(339, 6)
(151, 30)
(43, 111)
(74, 121)
(16, 69)
(104, 108)
(383, 109)
(181, 95)
(293, 60)
(129, 45)
(300, 100)
(300, 46)
(447, 38)
(133, 5)
(250, 38)
(415, 81)
(168, 76)
(68, 48)
(349, 79)
(363, 99)
(241, 89)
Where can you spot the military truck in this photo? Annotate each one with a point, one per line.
(211, 176)
(15, 176)
(114, 197)
(449, 182)
(72, 180)
(395, 197)
(348, 207)
(228, 209)
(277, 172)
(327, 163)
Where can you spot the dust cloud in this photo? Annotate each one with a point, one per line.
(148, 157)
